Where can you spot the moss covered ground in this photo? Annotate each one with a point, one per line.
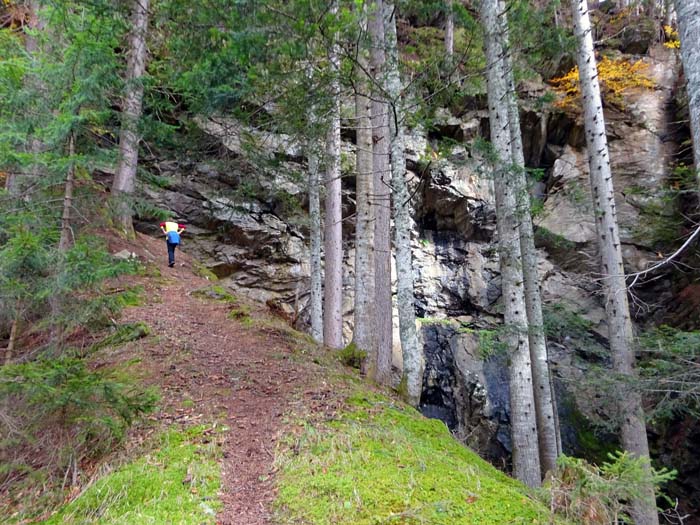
(176, 482)
(381, 462)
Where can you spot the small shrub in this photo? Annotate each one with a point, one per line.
(586, 493)
(58, 413)
(123, 334)
(352, 356)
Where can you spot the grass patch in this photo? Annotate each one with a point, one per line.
(216, 293)
(202, 271)
(175, 483)
(123, 334)
(242, 314)
(381, 463)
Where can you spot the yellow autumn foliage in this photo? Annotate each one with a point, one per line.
(672, 40)
(616, 77)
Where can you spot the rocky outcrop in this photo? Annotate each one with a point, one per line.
(641, 153)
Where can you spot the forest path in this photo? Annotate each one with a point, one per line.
(212, 367)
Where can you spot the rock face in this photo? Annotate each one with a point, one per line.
(248, 225)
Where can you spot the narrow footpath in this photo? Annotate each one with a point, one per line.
(240, 372)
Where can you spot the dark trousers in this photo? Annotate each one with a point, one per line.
(171, 253)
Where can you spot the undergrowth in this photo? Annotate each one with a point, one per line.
(58, 417)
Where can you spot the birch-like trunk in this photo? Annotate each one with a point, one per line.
(669, 12)
(363, 335)
(526, 462)
(688, 13)
(633, 428)
(449, 32)
(383, 326)
(125, 177)
(316, 298)
(10, 349)
(413, 362)
(333, 242)
(542, 386)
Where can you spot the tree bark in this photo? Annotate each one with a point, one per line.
(449, 32)
(413, 361)
(383, 325)
(363, 335)
(688, 15)
(333, 242)
(10, 349)
(633, 428)
(316, 273)
(544, 404)
(125, 177)
(66, 240)
(526, 463)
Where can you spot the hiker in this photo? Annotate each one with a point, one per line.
(172, 231)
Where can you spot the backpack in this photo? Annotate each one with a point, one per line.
(173, 237)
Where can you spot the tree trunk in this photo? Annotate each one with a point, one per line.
(363, 335)
(413, 362)
(449, 32)
(10, 350)
(316, 300)
(383, 325)
(688, 13)
(333, 246)
(669, 12)
(526, 463)
(544, 405)
(634, 437)
(66, 240)
(125, 178)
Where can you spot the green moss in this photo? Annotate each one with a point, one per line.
(385, 464)
(202, 271)
(352, 356)
(242, 314)
(176, 483)
(215, 292)
(435, 321)
(593, 446)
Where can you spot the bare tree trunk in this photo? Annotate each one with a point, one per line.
(363, 335)
(66, 240)
(383, 325)
(633, 430)
(449, 32)
(413, 361)
(526, 462)
(333, 245)
(544, 405)
(10, 350)
(688, 12)
(125, 178)
(316, 274)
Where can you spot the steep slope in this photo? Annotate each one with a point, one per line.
(237, 379)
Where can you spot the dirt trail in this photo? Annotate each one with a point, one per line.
(235, 373)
